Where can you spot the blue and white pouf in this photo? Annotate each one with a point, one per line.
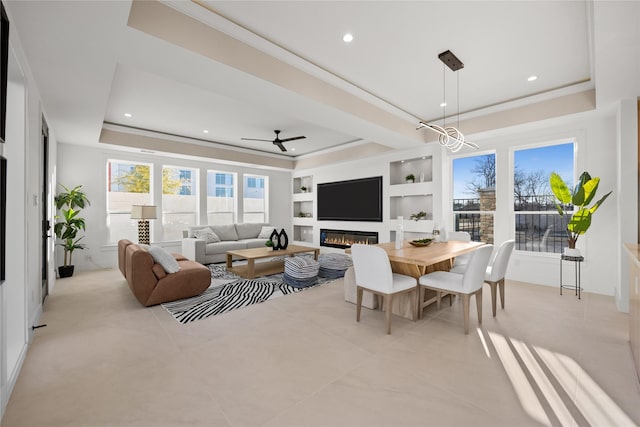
(333, 266)
(300, 271)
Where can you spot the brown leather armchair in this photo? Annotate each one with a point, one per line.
(149, 282)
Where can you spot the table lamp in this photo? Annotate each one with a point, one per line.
(143, 213)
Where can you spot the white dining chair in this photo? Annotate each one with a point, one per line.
(497, 270)
(459, 262)
(373, 274)
(465, 285)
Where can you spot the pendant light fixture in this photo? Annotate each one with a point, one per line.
(449, 136)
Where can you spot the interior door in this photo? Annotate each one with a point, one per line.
(46, 224)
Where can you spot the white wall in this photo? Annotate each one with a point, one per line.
(376, 166)
(595, 135)
(20, 295)
(86, 166)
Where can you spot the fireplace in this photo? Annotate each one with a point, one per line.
(345, 238)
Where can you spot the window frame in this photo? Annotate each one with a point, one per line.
(108, 211)
(233, 188)
(195, 175)
(265, 190)
(512, 166)
(493, 152)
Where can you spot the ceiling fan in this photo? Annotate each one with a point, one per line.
(276, 141)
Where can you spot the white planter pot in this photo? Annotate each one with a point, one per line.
(572, 252)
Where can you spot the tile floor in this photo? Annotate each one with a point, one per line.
(302, 360)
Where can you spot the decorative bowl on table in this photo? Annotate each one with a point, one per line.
(421, 242)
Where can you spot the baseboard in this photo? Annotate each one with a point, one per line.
(12, 377)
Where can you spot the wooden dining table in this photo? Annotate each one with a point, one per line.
(416, 261)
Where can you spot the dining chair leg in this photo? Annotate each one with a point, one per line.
(388, 299)
(493, 296)
(358, 303)
(438, 298)
(450, 300)
(479, 305)
(501, 284)
(465, 311)
(420, 301)
(415, 306)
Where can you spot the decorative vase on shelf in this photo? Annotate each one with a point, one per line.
(421, 176)
(400, 233)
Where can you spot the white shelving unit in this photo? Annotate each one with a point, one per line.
(303, 209)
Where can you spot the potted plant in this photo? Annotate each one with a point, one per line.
(69, 203)
(269, 244)
(410, 178)
(303, 189)
(418, 216)
(581, 196)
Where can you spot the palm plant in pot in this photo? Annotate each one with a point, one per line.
(69, 202)
(581, 196)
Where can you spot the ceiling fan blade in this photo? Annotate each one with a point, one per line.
(253, 139)
(292, 139)
(280, 146)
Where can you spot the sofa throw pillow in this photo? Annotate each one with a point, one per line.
(265, 232)
(164, 258)
(248, 230)
(226, 232)
(207, 235)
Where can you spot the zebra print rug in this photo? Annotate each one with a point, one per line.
(235, 293)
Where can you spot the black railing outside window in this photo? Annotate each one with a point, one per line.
(538, 227)
(469, 222)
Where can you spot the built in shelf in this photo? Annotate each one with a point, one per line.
(421, 168)
(303, 209)
(303, 181)
(405, 206)
(303, 233)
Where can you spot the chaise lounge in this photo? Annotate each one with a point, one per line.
(149, 281)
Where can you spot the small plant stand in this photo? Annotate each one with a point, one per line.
(577, 260)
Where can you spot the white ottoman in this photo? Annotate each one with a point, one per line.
(368, 299)
(300, 271)
(333, 266)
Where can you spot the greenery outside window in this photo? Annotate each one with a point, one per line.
(179, 200)
(128, 183)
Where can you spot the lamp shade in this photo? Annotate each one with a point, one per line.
(143, 212)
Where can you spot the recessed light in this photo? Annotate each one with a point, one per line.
(205, 131)
(128, 115)
(347, 38)
(532, 78)
(444, 104)
(401, 161)
(293, 149)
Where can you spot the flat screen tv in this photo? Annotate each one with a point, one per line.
(353, 200)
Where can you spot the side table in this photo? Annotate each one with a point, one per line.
(577, 260)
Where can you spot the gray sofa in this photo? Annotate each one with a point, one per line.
(233, 237)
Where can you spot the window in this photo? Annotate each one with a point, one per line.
(128, 183)
(538, 227)
(221, 198)
(255, 201)
(474, 196)
(179, 200)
